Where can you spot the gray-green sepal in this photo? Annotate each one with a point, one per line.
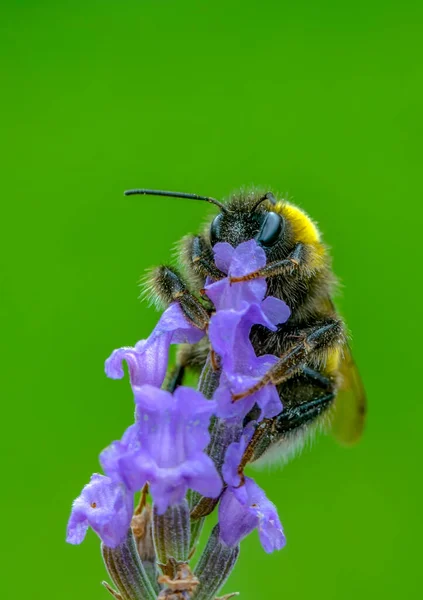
(125, 568)
(171, 533)
(214, 566)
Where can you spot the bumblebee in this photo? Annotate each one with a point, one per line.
(316, 376)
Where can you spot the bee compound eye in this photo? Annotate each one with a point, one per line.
(215, 229)
(271, 229)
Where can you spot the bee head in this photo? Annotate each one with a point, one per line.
(249, 217)
(243, 218)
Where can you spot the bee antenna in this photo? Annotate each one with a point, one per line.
(269, 196)
(145, 192)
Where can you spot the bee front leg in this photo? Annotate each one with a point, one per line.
(175, 378)
(168, 286)
(200, 259)
(314, 340)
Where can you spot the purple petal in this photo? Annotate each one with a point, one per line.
(151, 401)
(77, 525)
(244, 259)
(136, 469)
(267, 398)
(246, 508)
(223, 334)
(229, 333)
(248, 257)
(201, 476)
(234, 455)
(234, 296)
(239, 261)
(165, 446)
(275, 310)
(269, 402)
(111, 456)
(271, 533)
(161, 426)
(174, 321)
(197, 412)
(235, 520)
(148, 360)
(173, 427)
(223, 253)
(165, 492)
(169, 486)
(269, 526)
(228, 409)
(106, 507)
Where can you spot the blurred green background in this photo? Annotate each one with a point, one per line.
(320, 100)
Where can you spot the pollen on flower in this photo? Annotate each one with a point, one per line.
(93, 504)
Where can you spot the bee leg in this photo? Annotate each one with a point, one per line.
(325, 335)
(200, 258)
(170, 287)
(285, 266)
(194, 356)
(175, 378)
(189, 358)
(305, 398)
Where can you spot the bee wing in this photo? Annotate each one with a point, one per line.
(350, 404)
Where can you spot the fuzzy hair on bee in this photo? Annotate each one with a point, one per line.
(315, 375)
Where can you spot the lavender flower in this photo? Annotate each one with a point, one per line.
(244, 505)
(148, 360)
(239, 306)
(166, 447)
(106, 507)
